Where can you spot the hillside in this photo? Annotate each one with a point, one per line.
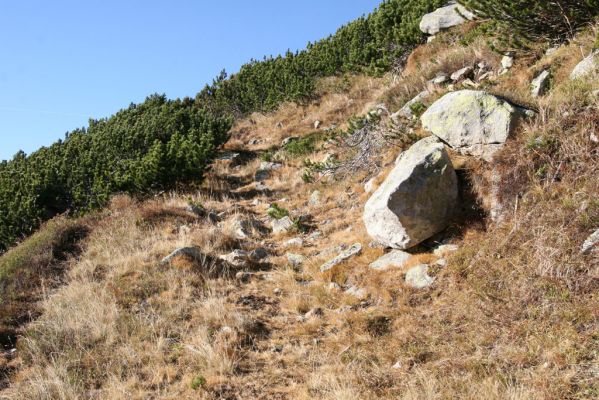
(423, 232)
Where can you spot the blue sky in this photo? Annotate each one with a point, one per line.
(64, 61)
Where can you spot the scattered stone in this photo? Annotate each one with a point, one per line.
(395, 259)
(244, 228)
(191, 252)
(195, 209)
(288, 140)
(418, 278)
(261, 187)
(406, 111)
(586, 67)
(472, 122)
(230, 156)
(431, 39)
(258, 254)
(462, 74)
(397, 365)
(256, 202)
(594, 138)
(315, 235)
(590, 243)
(416, 200)
(357, 292)
(485, 76)
(281, 225)
(443, 18)
(446, 249)
(507, 62)
(315, 198)
(261, 175)
(344, 309)
(439, 80)
(295, 260)
(279, 125)
(237, 258)
(277, 291)
(270, 166)
(333, 286)
(442, 263)
(354, 250)
(540, 84)
(295, 242)
(317, 124)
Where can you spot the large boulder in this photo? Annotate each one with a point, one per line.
(443, 18)
(472, 122)
(586, 67)
(416, 200)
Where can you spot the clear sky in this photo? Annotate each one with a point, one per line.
(65, 61)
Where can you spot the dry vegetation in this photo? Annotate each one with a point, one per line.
(514, 315)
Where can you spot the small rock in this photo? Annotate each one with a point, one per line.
(551, 50)
(406, 110)
(594, 138)
(334, 286)
(395, 259)
(507, 62)
(244, 276)
(288, 140)
(446, 249)
(237, 258)
(397, 365)
(192, 252)
(256, 202)
(195, 209)
(315, 198)
(441, 263)
(258, 254)
(469, 83)
(485, 76)
(261, 187)
(315, 235)
(357, 292)
(295, 242)
(227, 330)
(317, 124)
(540, 84)
(261, 175)
(431, 39)
(295, 260)
(462, 74)
(439, 80)
(586, 67)
(270, 166)
(418, 278)
(281, 225)
(354, 250)
(590, 243)
(231, 156)
(277, 291)
(375, 244)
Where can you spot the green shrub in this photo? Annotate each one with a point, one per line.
(148, 147)
(277, 212)
(198, 382)
(304, 145)
(556, 20)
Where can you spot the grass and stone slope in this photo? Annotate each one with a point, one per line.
(424, 235)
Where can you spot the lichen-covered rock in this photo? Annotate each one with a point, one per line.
(416, 200)
(586, 67)
(443, 18)
(394, 259)
(295, 260)
(472, 122)
(461, 74)
(540, 84)
(418, 277)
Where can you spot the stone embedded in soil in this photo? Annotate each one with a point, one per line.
(394, 259)
(418, 278)
(354, 250)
